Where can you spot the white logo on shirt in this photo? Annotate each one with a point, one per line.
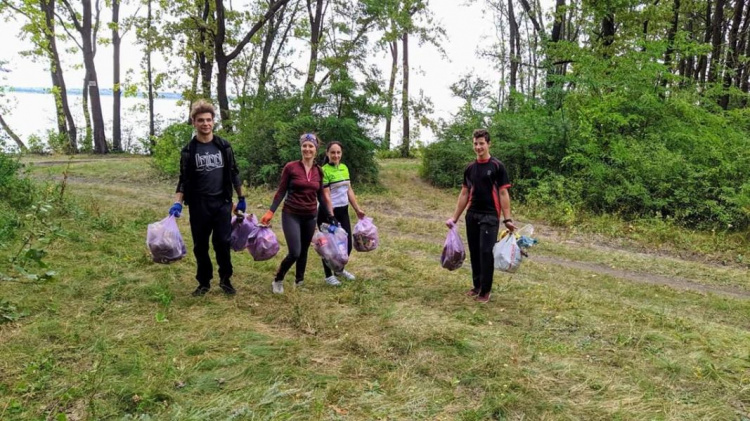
(208, 162)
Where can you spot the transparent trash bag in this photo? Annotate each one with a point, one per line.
(164, 241)
(332, 244)
(262, 243)
(454, 252)
(507, 254)
(242, 226)
(365, 235)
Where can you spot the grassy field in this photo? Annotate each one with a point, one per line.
(573, 335)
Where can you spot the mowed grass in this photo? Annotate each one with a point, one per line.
(117, 336)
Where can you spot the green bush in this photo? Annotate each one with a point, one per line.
(443, 163)
(166, 152)
(268, 137)
(621, 152)
(17, 193)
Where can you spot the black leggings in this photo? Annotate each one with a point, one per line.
(342, 215)
(481, 234)
(298, 232)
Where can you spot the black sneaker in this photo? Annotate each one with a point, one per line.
(226, 286)
(201, 291)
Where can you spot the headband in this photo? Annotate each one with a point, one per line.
(309, 137)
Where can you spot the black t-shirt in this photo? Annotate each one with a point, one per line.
(484, 179)
(209, 170)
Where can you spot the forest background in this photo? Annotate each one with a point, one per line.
(633, 108)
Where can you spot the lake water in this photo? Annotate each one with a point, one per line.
(33, 114)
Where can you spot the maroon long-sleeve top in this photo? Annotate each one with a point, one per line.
(302, 189)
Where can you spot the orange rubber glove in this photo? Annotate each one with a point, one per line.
(266, 219)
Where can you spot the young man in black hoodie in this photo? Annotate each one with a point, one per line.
(208, 172)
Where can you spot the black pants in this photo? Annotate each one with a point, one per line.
(481, 234)
(298, 231)
(342, 215)
(207, 216)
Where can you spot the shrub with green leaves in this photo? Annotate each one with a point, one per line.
(17, 193)
(623, 152)
(268, 138)
(166, 152)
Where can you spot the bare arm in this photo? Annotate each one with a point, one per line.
(353, 200)
(463, 201)
(505, 207)
(327, 200)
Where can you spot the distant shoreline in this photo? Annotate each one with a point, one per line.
(79, 92)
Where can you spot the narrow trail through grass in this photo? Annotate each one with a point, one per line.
(570, 336)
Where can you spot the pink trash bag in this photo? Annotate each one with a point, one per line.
(365, 235)
(454, 253)
(331, 243)
(242, 226)
(164, 241)
(262, 243)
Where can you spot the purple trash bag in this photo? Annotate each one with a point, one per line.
(241, 229)
(331, 243)
(262, 243)
(454, 253)
(365, 235)
(164, 241)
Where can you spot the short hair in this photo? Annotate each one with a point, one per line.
(482, 133)
(201, 106)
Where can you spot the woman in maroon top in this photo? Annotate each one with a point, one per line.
(302, 185)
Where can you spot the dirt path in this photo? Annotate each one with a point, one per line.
(644, 278)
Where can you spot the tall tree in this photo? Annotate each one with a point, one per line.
(405, 136)
(223, 59)
(116, 91)
(87, 26)
(316, 24)
(40, 28)
(732, 56)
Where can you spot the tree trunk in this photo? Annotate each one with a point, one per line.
(608, 33)
(742, 46)
(116, 91)
(391, 86)
(206, 62)
(316, 23)
(700, 70)
(271, 30)
(13, 135)
(514, 59)
(66, 124)
(732, 59)
(88, 44)
(223, 59)
(89, 136)
(716, 41)
(150, 79)
(670, 40)
(405, 97)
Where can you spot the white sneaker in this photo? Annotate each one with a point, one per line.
(331, 280)
(347, 275)
(299, 284)
(278, 287)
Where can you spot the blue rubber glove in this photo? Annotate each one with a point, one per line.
(175, 210)
(241, 205)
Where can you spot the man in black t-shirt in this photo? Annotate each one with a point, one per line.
(208, 173)
(485, 192)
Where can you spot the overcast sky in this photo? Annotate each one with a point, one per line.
(467, 26)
